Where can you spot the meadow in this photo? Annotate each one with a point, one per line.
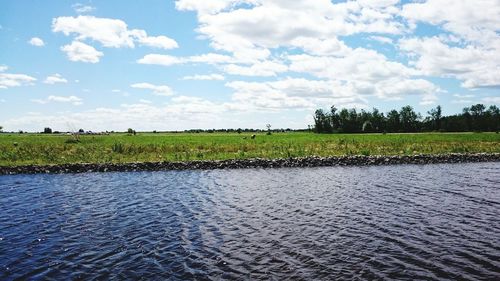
(42, 149)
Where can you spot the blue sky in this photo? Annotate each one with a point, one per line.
(174, 65)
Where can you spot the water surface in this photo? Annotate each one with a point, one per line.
(432, 222)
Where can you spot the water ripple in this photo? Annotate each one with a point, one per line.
(432, 222)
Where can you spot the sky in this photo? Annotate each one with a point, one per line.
(188, 64)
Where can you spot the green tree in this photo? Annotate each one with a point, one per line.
(334, 118)
(393, 121)
(322, 122)
(436, 116)
(409, 119)
(378, 120)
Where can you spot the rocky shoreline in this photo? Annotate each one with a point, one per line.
(358, 160)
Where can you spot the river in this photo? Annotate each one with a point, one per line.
(432, 222)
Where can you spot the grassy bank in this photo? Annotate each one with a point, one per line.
(24, 149)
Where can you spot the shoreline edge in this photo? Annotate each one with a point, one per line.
(312, 161)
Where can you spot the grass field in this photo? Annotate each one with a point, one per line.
(23, 149)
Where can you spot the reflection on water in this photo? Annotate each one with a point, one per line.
(395, 222)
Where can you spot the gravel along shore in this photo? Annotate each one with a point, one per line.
(251, 163)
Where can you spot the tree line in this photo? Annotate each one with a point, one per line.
(474, 118)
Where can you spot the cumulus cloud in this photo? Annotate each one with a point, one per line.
(182, 113)
(156, 59)
(249, 28)
(381, 39)
(55, 78)
(35, 41)
(204, 77)
(167, 60)
(78, 51)
(111, 33)
(82, 9)
(471, 53)
(471, 20)
(9, 80)
(159, 90)
(264, 68)
(61, 99)
(475, 66)
(294, 93)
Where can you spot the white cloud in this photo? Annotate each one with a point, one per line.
(294, 93)
(474, 65)
(180, 114)
(167, 60)
(35, 41)
(62, 99)
(326, 47)
(111, 33)
(230, 65)
(3, 68)
(471, 52)
(204, 77)
(358, 65)
(205, 6)
(157, 59)
(264, 68)
(9, 80)
(250, 30)
(159, 90)
(55, 78)
(491, 100)
(78, 51)
(82, 9)
(463, 99)
(381, 39)
(471, 20)
(161, 41)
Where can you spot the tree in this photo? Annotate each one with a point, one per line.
(478, 117)
(409, 119)
(47, 130)
(130, 130)
(322, 122)
(1, 128)
(494, 118)
(334, 118)
(378, 120)
(435, 114)
(393, 122)
(268, 126)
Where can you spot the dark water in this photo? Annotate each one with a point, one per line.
(434, 222)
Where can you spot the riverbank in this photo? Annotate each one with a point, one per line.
(252, 163)
(56, 149)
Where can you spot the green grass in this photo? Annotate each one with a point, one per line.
(23, 149)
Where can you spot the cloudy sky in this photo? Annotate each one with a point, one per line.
(174, 65)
